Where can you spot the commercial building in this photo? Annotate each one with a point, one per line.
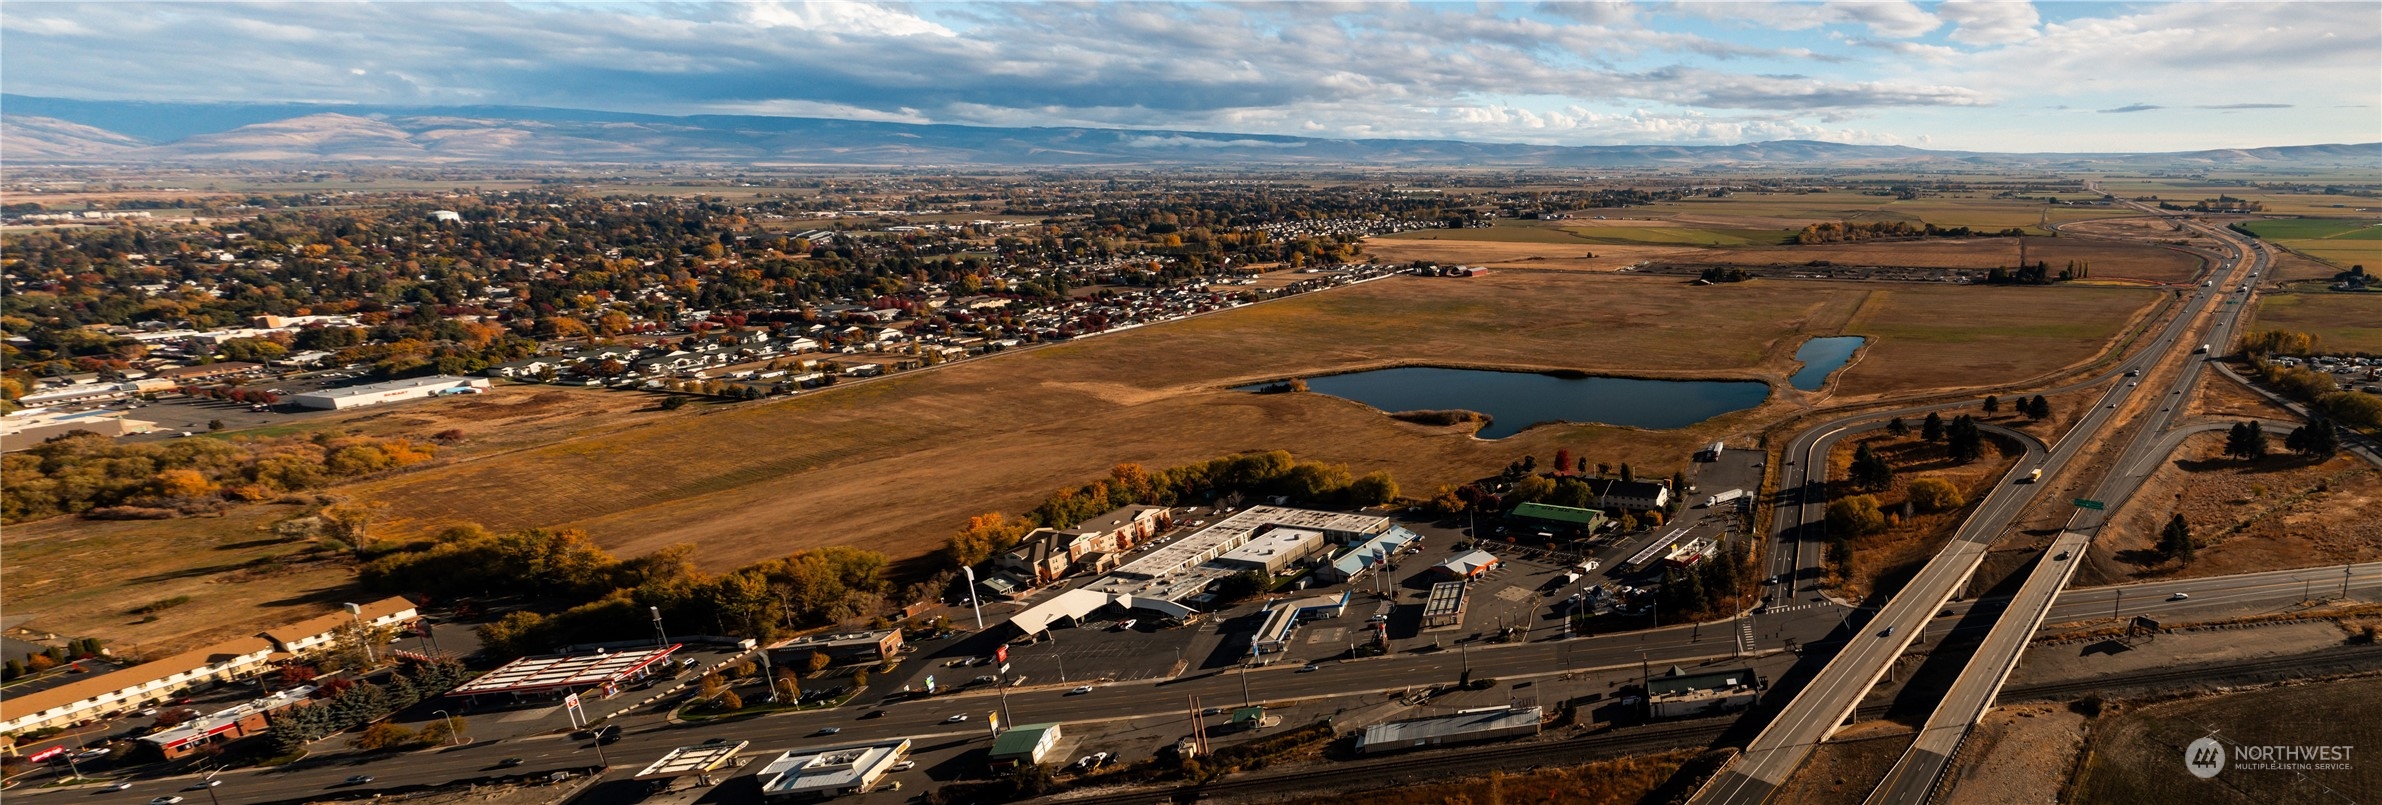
(412, 388)
(30, 429)
(1367, 554)
(1469, 726)
(1273, 638)
(693, 761)
(143, 685)
(814, 774)
(1445, 607)
(1172, 580)
(208, 371)
(1026, 744)
(224, 726)
(605, 671)
(1467, 565)
(1273, 551)
(318, 632)
(1691, 552)
(849, 648)
(1614, 493)
(1678, 694)
(1237, 530)
(1561, 518)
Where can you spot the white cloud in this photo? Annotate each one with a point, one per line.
(1990, 22)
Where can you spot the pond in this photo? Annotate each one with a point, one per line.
(1822, 357)
(1517, 400)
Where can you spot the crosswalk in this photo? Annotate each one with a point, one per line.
(1795, 607)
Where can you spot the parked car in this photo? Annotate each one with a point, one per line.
(905, 765)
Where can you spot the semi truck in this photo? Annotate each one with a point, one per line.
(1725, 497)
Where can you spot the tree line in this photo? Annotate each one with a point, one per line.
(1856, 231)
(85, 473)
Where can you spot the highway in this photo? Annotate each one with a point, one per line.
(1915, 775)
(1820, 708)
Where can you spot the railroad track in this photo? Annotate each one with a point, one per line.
(1393, 771)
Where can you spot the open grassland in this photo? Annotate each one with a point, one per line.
(896, 464)
(78, 577)
(1796, 211)
(2347, 322)
(2137, 755)
(2283, 511)
(1954, 336)
(1570, 255)
(2186, 191)
(2341, 242)
(2108, 259)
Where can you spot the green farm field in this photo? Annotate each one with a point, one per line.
(2349, 322)
(898, 463)
(2342, 242)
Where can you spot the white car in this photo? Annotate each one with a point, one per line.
(2179, 597)
(1080, 690)
(905, 765)
(956, 718)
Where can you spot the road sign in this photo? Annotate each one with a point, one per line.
(2095, 505)
(571, 701)
(1004, 668)
(930, 683)
(1001, 654)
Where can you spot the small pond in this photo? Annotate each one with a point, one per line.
(1518, 400)
(1822, 357)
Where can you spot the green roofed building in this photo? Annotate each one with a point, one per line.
(1559, 516)
(1025, 743)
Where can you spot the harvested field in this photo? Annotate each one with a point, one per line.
(2137, 755)
(898, 463)
(2281, 512)
(1936, 336)
(1568, 255)
(2019, 755)
(1620, 781)
(2109, 260)
(2341, 322)
(80, 577)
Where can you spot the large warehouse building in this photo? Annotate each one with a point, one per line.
(412, 388)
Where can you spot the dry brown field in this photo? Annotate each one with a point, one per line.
(897, 463)
(2108, 259)
(1907, 543)
(77, 577)
(2282, 512)
(2341, 322)
(2135, 755)
(1504, 255)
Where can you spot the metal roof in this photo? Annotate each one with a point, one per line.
(530, 674)
(688, 761)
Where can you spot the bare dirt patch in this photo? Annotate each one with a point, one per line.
(2019, 755)
(1847, 768)
(2281, 512)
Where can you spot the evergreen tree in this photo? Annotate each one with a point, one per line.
(1932, 430)
(1993, 404)
(1966, 442)
(2175, 541)
(1898, 427)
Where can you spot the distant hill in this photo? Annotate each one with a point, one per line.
(63, 130)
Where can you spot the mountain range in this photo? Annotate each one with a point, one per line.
(57, 130)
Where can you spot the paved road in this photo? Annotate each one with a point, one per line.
(1915, 775)
(1820, 708)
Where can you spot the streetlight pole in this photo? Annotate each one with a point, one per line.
(356, 614)
(453, 734)
(2119, 605)
(1245, 699)
(972, 603)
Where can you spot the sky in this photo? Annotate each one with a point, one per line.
(1959, 74)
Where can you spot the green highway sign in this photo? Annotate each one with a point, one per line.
(2094, 505)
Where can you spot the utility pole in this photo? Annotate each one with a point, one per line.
(2345, 582)
(1245, 699)
(355, 614)
(2120, 604)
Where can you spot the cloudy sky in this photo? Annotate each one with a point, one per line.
(1967, 74)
